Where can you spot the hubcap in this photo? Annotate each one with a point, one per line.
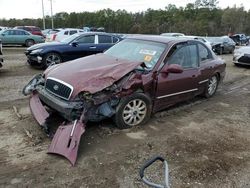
(53, 59)
(134, 112)
(212, 85)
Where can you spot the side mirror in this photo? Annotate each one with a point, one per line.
(173, 68)
(74, 44)
(2, 34)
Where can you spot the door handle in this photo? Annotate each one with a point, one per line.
(92, 47)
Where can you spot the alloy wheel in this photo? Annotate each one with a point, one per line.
(212, 85)
(134, 112)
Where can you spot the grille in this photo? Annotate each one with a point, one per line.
(58, 88)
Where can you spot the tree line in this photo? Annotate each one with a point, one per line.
(202, 17)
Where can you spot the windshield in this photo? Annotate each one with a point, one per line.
(138, 50)
(70, 38)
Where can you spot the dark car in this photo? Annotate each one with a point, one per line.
(73, 47)
(242, 56)
(221, 45)
(32, 29)
(240, 39)
(133, 79)
(1, 53)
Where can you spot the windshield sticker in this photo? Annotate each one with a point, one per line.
(147, 58)
(147, 52)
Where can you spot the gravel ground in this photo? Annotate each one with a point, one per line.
(205, 141)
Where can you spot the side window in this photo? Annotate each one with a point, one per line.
(204, 54)
(115, 40)
(184, 55)
(72, 32)
(66, 32)
(104, 39)
(87, 39)
(193, 54)
(10, 32)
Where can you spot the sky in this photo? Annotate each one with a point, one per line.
(33, 8)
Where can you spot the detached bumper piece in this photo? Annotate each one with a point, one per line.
(38, 110)
(67, 137)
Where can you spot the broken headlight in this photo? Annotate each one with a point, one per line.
(85, 95)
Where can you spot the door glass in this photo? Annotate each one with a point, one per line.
(184, 55)
(204, 53)
(115, 40)
(87, 39)
(72, 32)
(66, 32)
(104, 39)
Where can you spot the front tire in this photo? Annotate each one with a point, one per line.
(133, 110)
(50, 58)
(211, 87)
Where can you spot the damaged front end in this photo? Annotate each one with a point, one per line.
(77, 111)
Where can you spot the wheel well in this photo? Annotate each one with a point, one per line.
(56, 52)
(29, 39)
(218, 76)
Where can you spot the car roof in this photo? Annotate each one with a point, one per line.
(161, 39)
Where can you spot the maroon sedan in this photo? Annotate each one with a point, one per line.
(133, 79)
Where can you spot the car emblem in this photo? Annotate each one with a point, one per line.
(55, 87)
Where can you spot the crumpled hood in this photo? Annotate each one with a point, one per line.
(92, 73)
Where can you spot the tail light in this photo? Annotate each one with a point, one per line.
(54, 37)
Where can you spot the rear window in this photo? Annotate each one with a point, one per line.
(36, 29)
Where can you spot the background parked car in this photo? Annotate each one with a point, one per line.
(240, 39)
(32, 29)
(173, 34)
(76, 46)
(242, 56)
(19, 36)
(50, 34)
(221, 45)
(62, 34)
(202, 39)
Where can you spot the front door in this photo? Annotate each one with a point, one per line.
(176, 87)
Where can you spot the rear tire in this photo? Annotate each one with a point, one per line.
(133, 110)
(50, 58)
(29, 42)
(211, 86)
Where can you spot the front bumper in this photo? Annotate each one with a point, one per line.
(242, 60)
(33, 59)
(70, 110)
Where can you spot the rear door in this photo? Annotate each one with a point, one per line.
(175, 87)
(20, 36)
(206, 62)
(104, 42)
